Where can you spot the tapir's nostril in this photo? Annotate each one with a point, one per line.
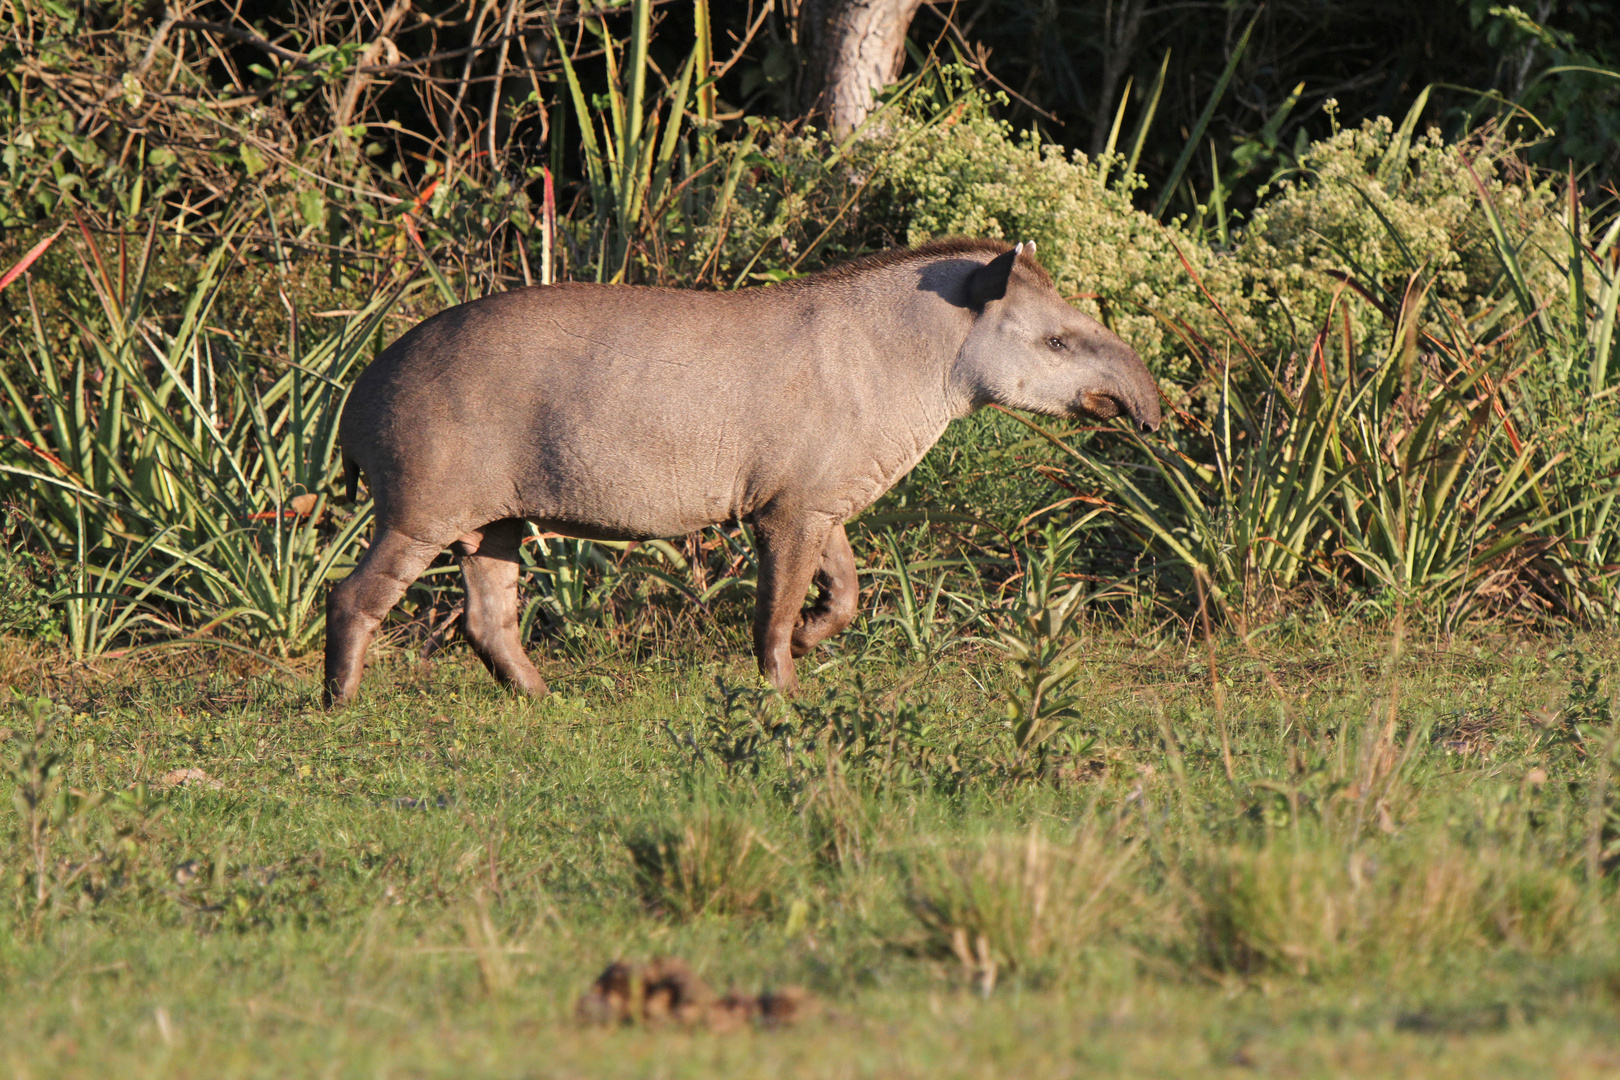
(1150, 426)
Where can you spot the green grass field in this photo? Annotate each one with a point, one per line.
(1404, 871)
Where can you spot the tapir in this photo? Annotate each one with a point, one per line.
(616, 412)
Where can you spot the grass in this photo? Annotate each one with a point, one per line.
(424, 884)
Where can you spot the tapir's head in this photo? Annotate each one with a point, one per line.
(1028, 349)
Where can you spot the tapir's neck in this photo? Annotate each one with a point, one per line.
(921, 320)
(916, 332)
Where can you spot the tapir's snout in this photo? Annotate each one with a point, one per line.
(1149, 418)
(1137, 392)
(1127, 389)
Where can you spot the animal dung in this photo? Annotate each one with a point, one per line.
(665, 990)
(183, 777)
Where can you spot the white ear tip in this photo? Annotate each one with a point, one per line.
(1018, 249)
(1029, 244)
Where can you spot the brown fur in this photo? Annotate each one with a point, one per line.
(900, 256)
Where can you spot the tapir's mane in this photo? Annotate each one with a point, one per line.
(956, 245)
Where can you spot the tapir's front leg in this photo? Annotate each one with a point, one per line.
(839, 592)
(790, 550)
(490, 569)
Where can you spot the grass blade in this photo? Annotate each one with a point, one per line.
(1197, 134)
(1145, 121)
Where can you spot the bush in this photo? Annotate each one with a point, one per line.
(29, 585)
(977, 177)
(1373, 203)
(188, 486)
(772, 209)
(1022, 903)
(705, 861)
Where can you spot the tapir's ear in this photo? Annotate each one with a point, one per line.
(989, 282)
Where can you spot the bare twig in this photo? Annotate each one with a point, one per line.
(294, 58)
(454, 117)
(500, 74)
(380, 42)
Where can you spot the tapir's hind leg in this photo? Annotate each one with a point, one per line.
(491, 622)
(357, 605)
(838, 592)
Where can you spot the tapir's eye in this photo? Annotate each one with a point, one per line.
(1056, 343)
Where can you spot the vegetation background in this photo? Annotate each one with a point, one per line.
(1283, 736)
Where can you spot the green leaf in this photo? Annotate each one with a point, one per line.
(1197, 135)
(134, 93)
(252, 160)
(312, 207)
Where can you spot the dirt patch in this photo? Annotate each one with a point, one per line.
(666, 990)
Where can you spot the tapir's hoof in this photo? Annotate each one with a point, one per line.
(520, 679)
(787, 687)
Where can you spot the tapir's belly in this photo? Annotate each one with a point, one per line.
(623, 507)
(632, 468)
(608, 469)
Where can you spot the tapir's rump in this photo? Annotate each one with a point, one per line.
(620, 412)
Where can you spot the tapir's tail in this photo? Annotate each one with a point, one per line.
(351, 478)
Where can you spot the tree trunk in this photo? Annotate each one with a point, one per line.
(1119, 44)
(852, 49)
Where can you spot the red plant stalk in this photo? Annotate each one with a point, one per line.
(548, 226)
(39, 249)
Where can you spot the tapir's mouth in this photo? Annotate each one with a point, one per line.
(1106, 407)
(1100, 406)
